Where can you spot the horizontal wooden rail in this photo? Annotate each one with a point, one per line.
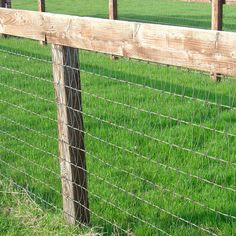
(205, 50)
(230, 2)
(227, 2)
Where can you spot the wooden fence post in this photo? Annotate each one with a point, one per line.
(113, 10)
(71, 136)
(42, 8)
(5, 4)
(216, 24)
(113, 15)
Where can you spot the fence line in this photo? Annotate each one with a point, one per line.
(190, 48)
(117, 187)
(182, 95)
(160, 188)
(136, 150)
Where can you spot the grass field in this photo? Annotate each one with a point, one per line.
(156, 136)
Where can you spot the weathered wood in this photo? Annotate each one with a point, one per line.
(217, 24)
(70, 128)
(113, 10)
(42, 8)
(206, 50)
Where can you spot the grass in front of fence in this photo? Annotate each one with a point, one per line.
(121, 140)
(21, 215)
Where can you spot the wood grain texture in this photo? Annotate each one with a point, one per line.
(70, 131)
(206, 50)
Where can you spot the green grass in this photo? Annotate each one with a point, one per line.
(29, 158)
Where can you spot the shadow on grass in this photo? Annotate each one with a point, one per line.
(158, 84)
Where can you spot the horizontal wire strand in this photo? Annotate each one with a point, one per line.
(98, 177)
(115, 186)
(225, 133)
(160, 188)
(172, 145)
(183, 96)
(130, 130)
(139, 155)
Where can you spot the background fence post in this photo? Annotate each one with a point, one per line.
(6, 4)
(113, 10)
(42, 8)
(216, 24)
(71, 136)
(113, 15)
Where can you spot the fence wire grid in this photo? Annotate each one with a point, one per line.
(159, 141)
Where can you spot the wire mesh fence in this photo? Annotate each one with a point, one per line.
(159, 141)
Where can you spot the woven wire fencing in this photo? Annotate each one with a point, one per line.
(159, 142)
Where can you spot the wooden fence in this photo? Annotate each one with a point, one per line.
(216, 18)
(204, 50)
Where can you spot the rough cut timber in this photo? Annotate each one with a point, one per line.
(206, 50)
(71, 136)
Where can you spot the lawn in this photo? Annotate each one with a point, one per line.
(160, 141)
